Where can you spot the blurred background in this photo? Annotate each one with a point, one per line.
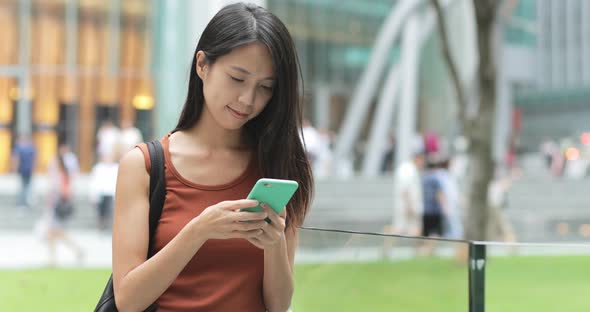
(83, 81)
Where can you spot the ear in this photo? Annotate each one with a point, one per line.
(202, 65)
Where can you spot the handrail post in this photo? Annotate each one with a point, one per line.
(477, 275)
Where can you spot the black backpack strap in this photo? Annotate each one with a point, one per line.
(157, 188)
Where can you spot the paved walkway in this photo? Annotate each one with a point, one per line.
(25, 250)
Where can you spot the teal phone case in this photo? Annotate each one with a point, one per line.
(274, 192)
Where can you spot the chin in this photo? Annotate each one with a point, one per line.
(234, 128)
(233, 125)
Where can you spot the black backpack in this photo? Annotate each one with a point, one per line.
(157, 196)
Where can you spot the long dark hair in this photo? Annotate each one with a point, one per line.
(276, 130)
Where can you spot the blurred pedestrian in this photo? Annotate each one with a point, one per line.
(60, 209)
(453, 201)
(70, 159)
(452, 223)
(500, 227)
(435, 204)
(389, 159)
(431, 142)
(108, 137)
(23, 162)
(548, 149)
(323, 165)
(512, 157)
(408, 203)
(407, 196)
(103, 180)
(312, 140)
(130, 136)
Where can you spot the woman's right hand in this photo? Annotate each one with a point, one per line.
(225, 220)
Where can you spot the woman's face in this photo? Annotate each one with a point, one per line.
(238, 85)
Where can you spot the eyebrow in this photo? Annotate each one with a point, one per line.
(240, 69)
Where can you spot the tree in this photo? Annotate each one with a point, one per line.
(479, 129)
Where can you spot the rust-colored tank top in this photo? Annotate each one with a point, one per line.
(224, 275)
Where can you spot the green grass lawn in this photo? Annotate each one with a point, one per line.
(419, 285)
(513, 284)
(51, 290)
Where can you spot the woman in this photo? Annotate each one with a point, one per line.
(240, 122)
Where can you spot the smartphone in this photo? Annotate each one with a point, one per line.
(274, 192)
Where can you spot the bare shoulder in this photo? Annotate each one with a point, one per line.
(133, 157)
(133, 174)
(133, 162)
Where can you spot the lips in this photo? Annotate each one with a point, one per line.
(237, 114)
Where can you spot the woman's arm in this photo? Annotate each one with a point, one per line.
(137, 282)
(278, 281)
(279, 256)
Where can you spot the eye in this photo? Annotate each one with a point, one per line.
(266, 88)
(236, 79)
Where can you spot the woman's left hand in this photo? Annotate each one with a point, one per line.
(273, 232)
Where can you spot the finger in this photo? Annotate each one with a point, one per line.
(239, 204)
(270, 234)
(246, 216)
(254, 225)
(272, 215)
(247, 234)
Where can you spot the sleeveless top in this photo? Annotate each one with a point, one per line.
(224, 275)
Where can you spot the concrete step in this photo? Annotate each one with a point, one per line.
(535, 209)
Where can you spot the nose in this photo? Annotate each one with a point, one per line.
(248, 96)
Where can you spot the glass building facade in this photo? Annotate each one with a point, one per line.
(67, 65)
(562, 45)
(556, 103)
(334, 41)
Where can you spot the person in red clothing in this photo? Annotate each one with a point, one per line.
(241, 121)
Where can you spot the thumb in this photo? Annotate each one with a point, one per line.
(241, 204)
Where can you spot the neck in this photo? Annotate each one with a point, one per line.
(208, 132)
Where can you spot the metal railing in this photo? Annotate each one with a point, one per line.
(338, 253)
